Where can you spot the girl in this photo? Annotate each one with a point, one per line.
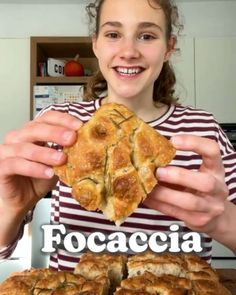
(133, 42)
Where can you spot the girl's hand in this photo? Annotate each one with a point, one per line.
(196, 197)
(26, 161)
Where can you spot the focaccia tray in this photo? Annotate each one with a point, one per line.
(105, 274)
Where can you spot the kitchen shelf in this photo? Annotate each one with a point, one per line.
(61, 80)
(42, 48)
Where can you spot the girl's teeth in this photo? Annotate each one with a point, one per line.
(128, 71)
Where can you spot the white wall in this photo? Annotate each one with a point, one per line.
(209, 18)
(204, 18)
(14, 83)
(25, 20)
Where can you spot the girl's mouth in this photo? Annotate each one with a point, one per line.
(131, 71)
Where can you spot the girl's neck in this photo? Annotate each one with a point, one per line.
(145, 109)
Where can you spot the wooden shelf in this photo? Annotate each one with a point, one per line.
(61, 80)
(65, 48)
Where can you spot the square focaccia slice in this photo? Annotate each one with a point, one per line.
(22, 283)
(107, 265)
(152, 284)
(49, 282)
(111, 166)
(199, 268)
(161, 264)
(64, 282)
(208, 287)
(56, 281)
(204, 278)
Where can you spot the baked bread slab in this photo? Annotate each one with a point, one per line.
(104, 274)
(167, 264)
(112, 164)
(48, 282)
(152, 284)
(171, 274)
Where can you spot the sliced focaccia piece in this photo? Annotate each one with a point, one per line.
(152, 284)
(49, 282)
(196, 275)
(162, 264)
(111, 167)
(204, 278)
(64, 282)
(111, 266)
(57, 280)
(22, 283)
(199, 268)
(208, 287)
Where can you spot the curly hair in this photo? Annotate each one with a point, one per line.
(164, 86)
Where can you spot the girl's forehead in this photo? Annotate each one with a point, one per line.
(128, 10)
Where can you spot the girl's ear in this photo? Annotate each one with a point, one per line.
(94, 44)
(170, 47)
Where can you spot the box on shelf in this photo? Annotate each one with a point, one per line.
(55, 67)
(45, 95)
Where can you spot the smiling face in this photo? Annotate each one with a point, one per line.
(131, 47)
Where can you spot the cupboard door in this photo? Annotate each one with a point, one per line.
(14, 83)
(183, 64)
(215, 77)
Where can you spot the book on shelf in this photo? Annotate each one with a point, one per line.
(42, 69)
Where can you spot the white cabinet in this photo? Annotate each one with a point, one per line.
(28, 251)
(14, 83)
(41, 216)
(183, 64)
(222, 257)
(20, 258)
(215, 60)
(206, 75)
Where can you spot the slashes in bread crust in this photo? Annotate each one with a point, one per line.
(112, 164)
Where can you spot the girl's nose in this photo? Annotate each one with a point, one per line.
(129, 49)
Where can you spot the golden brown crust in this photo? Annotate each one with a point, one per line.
(156, 264)
(152, 284)
(23, 282)
(111, 166)
(208, 287)
(192, 273)
(48, 282)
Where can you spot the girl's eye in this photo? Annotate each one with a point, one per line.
(147, 37)
(112, 35)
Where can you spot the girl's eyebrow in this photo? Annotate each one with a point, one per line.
(141, 25)
(146, 25)
(112, 24)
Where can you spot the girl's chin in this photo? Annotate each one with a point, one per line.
(127, 93)
(126, 96)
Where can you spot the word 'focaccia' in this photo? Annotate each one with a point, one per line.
(112, 164)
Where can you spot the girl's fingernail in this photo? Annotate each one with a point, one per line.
(57, 156)
(161, 173)
(76, 124)
(68, 135)
(176, 141)
(49, 172)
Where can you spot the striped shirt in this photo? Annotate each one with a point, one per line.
(177, 120)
